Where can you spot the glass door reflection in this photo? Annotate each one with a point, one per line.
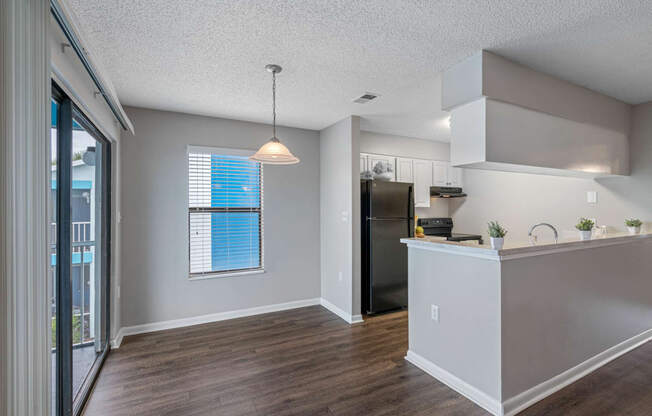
(88, 341)
(52, 241)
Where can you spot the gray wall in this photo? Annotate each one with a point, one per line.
(489, 75)
(409, 147)
(155, 285)
(507, 326)
(559, 310)
(533, 120)
(388, 144)
(519, 200)
(339, 275)
(466, 340)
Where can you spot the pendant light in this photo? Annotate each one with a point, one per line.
(274, 152)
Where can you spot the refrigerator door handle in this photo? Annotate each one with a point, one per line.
(389, 219)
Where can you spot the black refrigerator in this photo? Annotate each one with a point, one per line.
(387, 216)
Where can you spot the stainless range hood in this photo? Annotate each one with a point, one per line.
(446, 192)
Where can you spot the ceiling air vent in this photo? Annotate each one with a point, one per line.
(366, 97)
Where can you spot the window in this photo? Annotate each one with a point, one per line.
(225, 212)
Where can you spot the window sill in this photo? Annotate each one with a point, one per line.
(227, 274)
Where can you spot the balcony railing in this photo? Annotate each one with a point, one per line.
(82, 256)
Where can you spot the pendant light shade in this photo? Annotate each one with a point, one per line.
(274, 152)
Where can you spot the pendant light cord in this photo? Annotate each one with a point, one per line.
(274, 104)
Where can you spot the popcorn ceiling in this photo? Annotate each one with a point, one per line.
(208, 57)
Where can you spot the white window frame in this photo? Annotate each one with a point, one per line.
(228, 152)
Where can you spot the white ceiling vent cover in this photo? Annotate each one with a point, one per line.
(366, 97)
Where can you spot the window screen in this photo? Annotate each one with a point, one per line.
(225, 217)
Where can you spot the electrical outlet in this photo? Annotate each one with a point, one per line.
(434, 313)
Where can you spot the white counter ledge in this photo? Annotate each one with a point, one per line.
(518, 249)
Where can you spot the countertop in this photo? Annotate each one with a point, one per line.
(518, 249)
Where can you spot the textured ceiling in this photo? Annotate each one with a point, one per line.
(208, 57)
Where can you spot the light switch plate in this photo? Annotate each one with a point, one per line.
(434, 313)
(592, 197)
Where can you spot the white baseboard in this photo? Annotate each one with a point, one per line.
(539, 392)
(203, 319)
(479, 397)
(351, 319)
(117, 340)
(520, 402)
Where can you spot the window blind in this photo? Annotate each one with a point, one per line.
(225, 214)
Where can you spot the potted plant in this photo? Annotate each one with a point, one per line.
(497, 235)
(585, 226)
(633, 225)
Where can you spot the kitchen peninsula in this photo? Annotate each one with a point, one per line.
(509, 327)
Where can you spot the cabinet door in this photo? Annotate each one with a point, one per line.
(455, 176)
(440, 173)
(404, 170)
(422, 182)
(387, 162)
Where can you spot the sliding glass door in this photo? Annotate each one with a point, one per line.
(79, 241)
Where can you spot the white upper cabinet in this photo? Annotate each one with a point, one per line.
(422, 182)
(443, 174)
(404, 170)
(440, 173)
(384, 164)
(421, 172)
(455, 176)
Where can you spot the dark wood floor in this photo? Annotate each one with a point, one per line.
(623, 387)
(310, 362)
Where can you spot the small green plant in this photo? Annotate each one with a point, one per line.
(496, 230)
(585, 224)
(634, 222)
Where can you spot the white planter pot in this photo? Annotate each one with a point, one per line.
(634, 230)
(585, 235)
(497, 243)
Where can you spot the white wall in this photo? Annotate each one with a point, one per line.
(340, 212)
(155, 284)
(409, 147)
(519, 200)
(70, 74)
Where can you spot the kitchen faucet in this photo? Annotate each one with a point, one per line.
(533, 238)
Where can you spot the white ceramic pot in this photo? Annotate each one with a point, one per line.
(585, 235)
(634, 230)
(497, 242)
